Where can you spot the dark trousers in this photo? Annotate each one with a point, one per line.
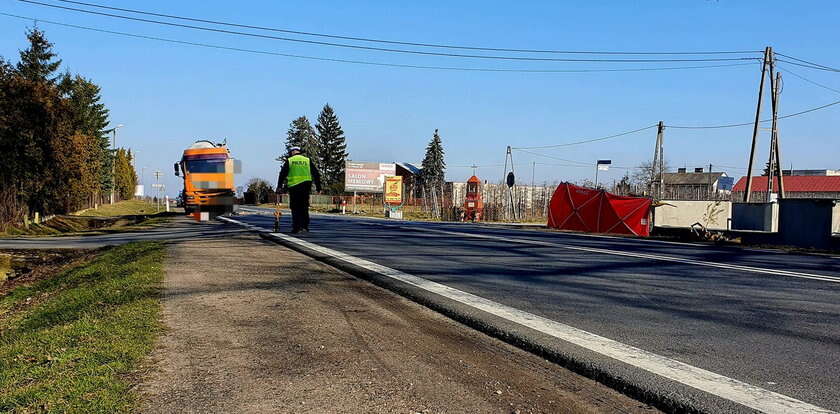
(299, 204)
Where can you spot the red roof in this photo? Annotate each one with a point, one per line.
(795, 183)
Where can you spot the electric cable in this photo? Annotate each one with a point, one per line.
(752, 123)
(382, 49)
(398, 42)
(809, 63)
(810, 81)
(552, 157)
(807, 66)
(362, 62)
(585, 141)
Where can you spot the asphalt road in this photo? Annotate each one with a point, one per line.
(181, 228)
(770, 319)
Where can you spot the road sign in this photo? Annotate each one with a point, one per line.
(604, 165)
(158, 186)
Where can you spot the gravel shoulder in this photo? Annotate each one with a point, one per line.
(255, 327)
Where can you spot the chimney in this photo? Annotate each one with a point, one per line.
(698, 170)
(681, 170)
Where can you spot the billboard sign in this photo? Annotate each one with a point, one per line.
(393, 190)
(367, 177)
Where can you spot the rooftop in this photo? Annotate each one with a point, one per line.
(691, 178)
(794, 183)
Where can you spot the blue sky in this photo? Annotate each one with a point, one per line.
(169, 95)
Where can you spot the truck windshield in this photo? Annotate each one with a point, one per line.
(206, 166)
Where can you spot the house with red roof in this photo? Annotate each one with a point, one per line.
(796, 186)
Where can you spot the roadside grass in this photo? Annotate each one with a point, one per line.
(126, 215)
(70, 343)
(122, 208)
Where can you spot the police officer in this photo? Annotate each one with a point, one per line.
(297, 176)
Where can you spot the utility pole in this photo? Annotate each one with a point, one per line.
(510, 180)
(768, 53)
(776, 156)
(113, 161)
(657, 163)
(157, 186)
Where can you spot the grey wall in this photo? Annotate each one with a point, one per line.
(755, 216)
(806, 223)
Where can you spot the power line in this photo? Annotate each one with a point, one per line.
(382, 49)
(585, 141)
(808, 110)
(362, 62)
(809, 63)
(552, 157)
(399, 42)
(810, 81)
(751, 123)
(807, 66)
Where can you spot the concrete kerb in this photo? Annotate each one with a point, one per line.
(667, 395)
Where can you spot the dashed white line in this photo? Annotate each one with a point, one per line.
(724, 387)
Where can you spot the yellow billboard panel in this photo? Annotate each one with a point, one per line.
(393, 189)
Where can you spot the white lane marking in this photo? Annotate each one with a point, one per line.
(729, 266)
(724, 387)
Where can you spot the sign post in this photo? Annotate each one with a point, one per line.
(393, 196)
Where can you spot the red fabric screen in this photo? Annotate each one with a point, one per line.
(596, 211)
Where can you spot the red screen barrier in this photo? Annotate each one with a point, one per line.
(596, 211)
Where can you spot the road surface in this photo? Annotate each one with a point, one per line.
(767, 319)
(180, 228)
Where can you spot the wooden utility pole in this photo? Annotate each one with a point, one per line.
(768, 52)
(658, 162)
(774, 145)
(510, 185)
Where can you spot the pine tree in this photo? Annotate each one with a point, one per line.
(333, 149)
(434, 166)
(301, 134)
(36, 63)
(90, 117)
(125, 176)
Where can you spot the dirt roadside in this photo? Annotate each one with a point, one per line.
(255, 327)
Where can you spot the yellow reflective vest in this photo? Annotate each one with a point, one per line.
(299, 170)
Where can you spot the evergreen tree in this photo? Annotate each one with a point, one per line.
(434, 166)
(125, 178)
(333, 149)
(301, 134)
(90, 117)
(36, 63)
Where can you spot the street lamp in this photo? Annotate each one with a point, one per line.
(113, 162)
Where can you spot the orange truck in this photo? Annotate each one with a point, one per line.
(207, 169)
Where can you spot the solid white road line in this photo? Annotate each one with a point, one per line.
(724, 387)
(729, 266)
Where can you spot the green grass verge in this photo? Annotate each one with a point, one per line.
(70, 343)
(122, 208)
